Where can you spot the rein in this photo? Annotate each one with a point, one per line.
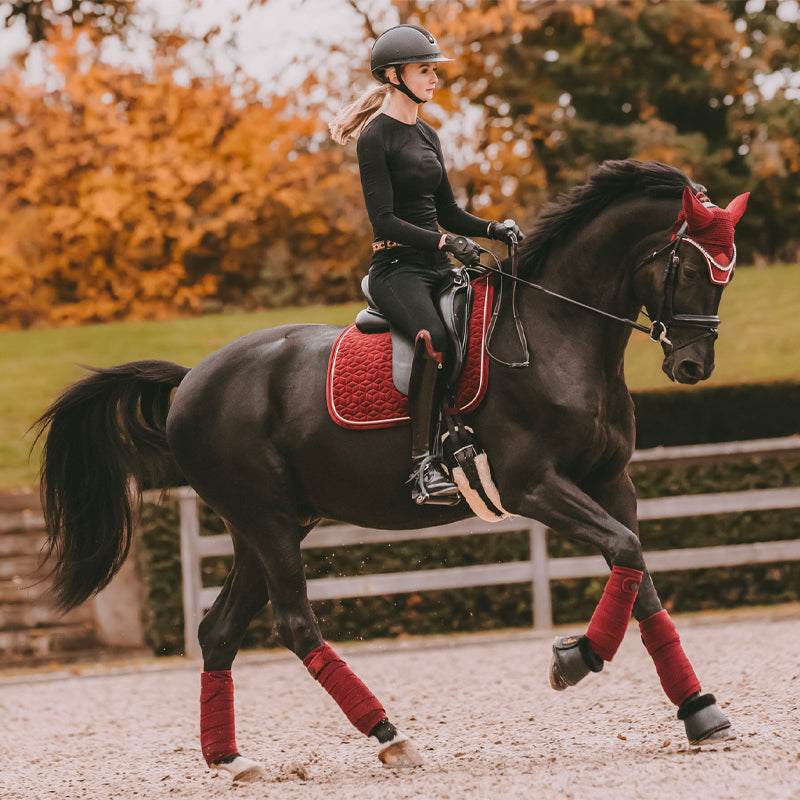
(657, 331)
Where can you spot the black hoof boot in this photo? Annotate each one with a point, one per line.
(430, 484)
(573, 659)
(704, 722)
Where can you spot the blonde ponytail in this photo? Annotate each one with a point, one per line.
(351, 119)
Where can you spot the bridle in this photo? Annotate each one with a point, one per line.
(660, 325)
(666, 317)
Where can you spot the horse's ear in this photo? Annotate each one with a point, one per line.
(697, 215)
(737, 206)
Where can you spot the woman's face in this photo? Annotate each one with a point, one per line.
(421, 79)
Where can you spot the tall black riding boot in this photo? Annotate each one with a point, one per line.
(430, 483)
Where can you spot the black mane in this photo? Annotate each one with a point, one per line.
(611, 181)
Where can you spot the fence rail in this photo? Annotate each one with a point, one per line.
(539, 570)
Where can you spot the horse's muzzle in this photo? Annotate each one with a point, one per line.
(687, 370)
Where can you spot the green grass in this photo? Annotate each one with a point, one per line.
(758, 337)
(758, 342)
(36, 365)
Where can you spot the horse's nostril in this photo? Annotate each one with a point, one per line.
(690, 371)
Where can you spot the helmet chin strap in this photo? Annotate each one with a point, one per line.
(401, 85)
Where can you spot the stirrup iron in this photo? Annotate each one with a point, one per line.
(441, 490)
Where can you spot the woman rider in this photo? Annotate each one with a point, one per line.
(408, 195)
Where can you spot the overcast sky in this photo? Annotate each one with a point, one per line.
(275, 43)
(266, 41)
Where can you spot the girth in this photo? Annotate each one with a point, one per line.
(455, 301)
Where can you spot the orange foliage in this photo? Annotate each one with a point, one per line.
(123, 196)
(129, 196)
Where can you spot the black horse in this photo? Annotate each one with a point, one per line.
(249, 430)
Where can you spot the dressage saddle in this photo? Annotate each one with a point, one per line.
(455, 301)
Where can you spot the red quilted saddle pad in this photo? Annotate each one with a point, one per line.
(360, 391)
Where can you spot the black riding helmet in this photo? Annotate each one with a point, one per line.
(403, 44)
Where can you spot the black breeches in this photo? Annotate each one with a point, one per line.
(409, 296)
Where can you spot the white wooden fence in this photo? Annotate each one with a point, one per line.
(539, 570)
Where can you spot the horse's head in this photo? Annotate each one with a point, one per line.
(684, 294)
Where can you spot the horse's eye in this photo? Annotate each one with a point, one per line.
(690, 273)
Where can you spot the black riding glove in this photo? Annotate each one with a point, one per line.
(504, 231)
(465, 250)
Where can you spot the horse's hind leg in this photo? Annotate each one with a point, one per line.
(220, 633)
(297, 628)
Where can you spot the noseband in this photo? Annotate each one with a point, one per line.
(658, 330)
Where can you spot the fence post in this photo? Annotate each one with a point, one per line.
(190, 572)
(540, 578)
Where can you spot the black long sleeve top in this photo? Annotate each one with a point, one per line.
(406, 189)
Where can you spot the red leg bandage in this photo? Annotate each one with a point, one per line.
(217, 728)
(610, 619)
(664, 645)
(358, 703)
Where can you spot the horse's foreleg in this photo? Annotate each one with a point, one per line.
(563, 506)
(575, 657)
(220, 633)
(297, 628)
(702, 718)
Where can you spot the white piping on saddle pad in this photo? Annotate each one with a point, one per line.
(477, 505)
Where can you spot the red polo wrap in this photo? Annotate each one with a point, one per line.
(217, 728)
(358, 703)
(610, 619)
(664, 645)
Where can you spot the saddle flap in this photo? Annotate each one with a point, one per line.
(402, 358)
(455, 302)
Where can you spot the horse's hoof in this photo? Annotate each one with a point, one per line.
(572, 661)
(400, 753)
(723, 735)
(242, 770)
(705, 723)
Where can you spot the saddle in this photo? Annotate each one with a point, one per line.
(360, 386)
(455, 302)
(368, 377)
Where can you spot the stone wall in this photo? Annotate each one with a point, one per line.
(32, 630)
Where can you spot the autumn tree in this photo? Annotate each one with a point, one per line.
(42, 17)
(769, 127)
(566, 84)
(128, 196)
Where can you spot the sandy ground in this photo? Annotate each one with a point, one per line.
(479, 707)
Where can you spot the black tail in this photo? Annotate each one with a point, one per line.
(104, 438)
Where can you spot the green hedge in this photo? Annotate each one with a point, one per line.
(718, 414)
(158, 562)
(490, 608)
